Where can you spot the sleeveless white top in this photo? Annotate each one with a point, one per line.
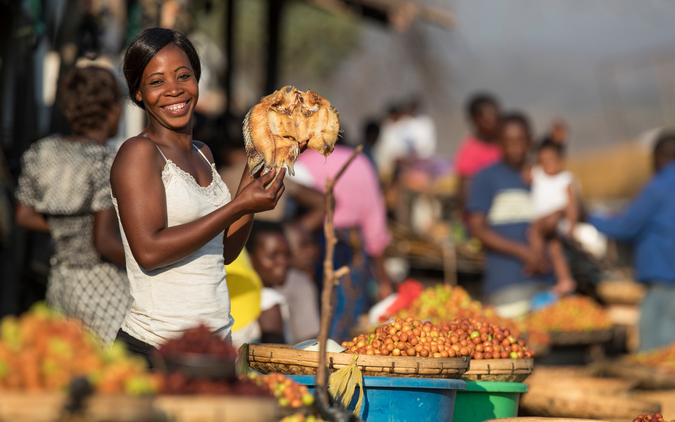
(168, 300)
(549, 192)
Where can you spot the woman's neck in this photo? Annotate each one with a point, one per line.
(161, 135)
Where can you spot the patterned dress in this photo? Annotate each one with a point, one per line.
(67, 182)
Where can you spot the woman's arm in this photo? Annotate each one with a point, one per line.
(107, 240)
(136, 183)
(27, 217)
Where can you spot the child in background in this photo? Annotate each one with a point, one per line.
(288, 301)
(554, 200)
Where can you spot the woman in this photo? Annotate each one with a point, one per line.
(64, 189)
(179, 223)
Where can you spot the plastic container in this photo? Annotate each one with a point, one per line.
(399, 399)
(483, 400)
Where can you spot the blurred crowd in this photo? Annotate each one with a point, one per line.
(512, 193)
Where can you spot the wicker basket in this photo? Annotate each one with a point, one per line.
(283, 359)
(218, 408)
(537, 419)
(48, 407)
(580, 404)
(625, 292)
(646, 377)
(587, 385)
(507, 370)
(575, 339)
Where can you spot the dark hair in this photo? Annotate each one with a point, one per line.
(144, 47)
(371, 129)
(87, 95)
(665, 145)
(258, 229)
(517, 118)
(548, 143)
(477, 102)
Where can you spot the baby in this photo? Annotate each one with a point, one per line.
(555, 206)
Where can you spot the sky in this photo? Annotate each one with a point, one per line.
(605, 66)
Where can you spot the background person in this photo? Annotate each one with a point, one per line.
(649, 223)
(360, 226)
(500, 214)
(481, 148)
(64, 189)
(290, 311)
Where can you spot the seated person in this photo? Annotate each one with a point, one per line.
(289, 309)
(500, 214)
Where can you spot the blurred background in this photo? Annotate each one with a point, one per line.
(603, 68)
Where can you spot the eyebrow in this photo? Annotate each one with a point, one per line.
(177, 69)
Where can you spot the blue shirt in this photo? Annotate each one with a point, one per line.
(649, 223)
(500, 193)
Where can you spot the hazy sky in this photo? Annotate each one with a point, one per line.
(547, 57)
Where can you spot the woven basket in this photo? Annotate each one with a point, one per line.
(579, 404)
(48, 407)
(283, 359)
(573, 339)
(200, 408)
(587, 385)
(537, 419)
(506, 370)
(647, 378)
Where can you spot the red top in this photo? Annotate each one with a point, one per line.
(474, 155)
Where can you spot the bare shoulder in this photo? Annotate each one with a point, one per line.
(204, 149)
(135, 150)
(138, 157)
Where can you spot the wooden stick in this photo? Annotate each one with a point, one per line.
(330, 276)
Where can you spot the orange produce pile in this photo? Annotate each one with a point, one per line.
(662, 358)
(572, 314)
(43, 351)
(443, 303)
(288, 392)
(651, 417)
(461, 337)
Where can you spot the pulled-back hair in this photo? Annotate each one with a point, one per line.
(144, 47)
(87, 95)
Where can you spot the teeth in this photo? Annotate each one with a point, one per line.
(176, 107)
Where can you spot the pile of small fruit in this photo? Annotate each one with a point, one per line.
(656, 417)
(462, 337)
(444, 303)
(179, 383)
(662, 358)
(288, 392)
(43, 351)
(198, 340)
(572, 314)
(201, 341)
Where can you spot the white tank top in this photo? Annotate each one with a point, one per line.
(170, 299)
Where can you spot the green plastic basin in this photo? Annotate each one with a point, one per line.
(484, 400)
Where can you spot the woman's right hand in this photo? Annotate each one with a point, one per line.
(255, 198)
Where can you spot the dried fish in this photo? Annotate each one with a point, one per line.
(276, 126)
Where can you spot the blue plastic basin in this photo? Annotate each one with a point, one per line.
(394, 399)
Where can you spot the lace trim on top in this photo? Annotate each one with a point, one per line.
(213, 192)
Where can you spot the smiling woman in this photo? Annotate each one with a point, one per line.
(179, 222)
